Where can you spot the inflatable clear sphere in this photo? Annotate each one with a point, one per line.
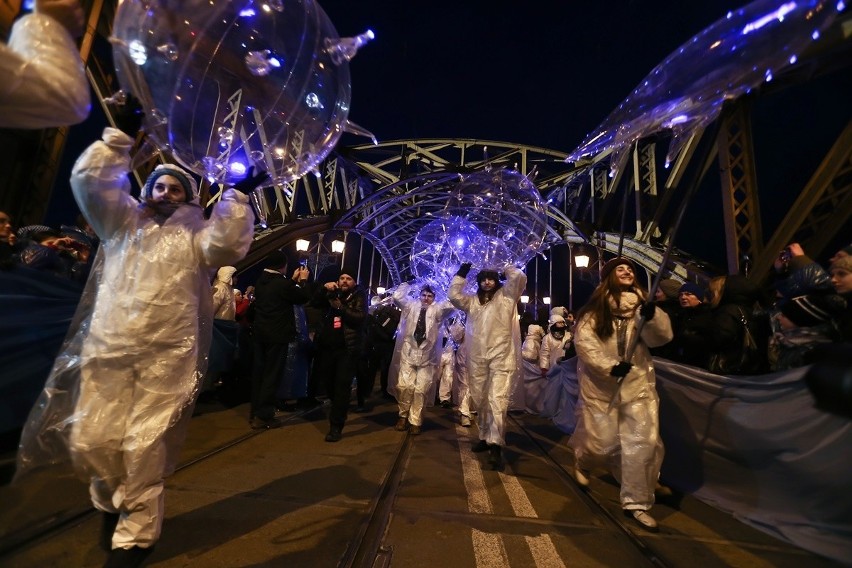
(739, 52)
(230, 84)
(491, 219)
(441, 246)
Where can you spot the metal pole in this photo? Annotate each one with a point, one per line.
(571, 277)
(690, 191)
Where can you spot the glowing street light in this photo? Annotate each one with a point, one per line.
(546, 300)
(380, 290)
(337, 246)
(525, 299)
(581, 260)
(302, 245)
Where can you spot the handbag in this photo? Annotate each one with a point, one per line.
(744, 361)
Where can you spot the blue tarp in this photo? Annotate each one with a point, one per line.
(35, 311)
(756, 447)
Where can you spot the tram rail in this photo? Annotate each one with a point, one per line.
(373, 544)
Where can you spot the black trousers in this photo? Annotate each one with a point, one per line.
(270, 361)
(335, 369)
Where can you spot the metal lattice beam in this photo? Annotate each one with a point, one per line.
(740, 204)
(822, 209)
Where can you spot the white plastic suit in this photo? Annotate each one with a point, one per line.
(144, 348)
(492, 338)
(553, 349)
(534, 381)
(417, 363)
(454, 334)
(224, 305)
(625, 439)
(44, 82)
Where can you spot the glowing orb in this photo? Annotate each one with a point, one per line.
(223, 81)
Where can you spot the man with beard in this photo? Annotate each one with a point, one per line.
(139, 352)
(493, 338)
(339, 344)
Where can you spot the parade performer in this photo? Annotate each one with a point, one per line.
(493, 348)
(623, 436)
(419, 354)
(126, 381)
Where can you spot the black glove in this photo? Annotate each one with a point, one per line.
(251, 182)
(621, 369)
(464, 269)
(648, 310)
(128, 116)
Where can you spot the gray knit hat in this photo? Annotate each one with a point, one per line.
(190, 187)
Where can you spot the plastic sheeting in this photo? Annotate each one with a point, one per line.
(755, 447)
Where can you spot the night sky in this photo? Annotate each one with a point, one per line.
(546, 73)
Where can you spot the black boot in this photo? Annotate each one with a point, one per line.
(334, 434)
(127, 557)
(108, 523)
(494, 457)
(479, 447)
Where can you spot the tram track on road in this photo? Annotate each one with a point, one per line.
(588, 497)
(55, 524)
(367, 548)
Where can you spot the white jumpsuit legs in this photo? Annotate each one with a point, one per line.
(125, 408)
(413, 384)
(489, 389)
(627, 436)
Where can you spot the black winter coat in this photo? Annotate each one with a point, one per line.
(273, 318)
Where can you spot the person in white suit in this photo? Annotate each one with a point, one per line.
(493, 349)
(419, 345)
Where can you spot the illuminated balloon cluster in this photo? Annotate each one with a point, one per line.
(491, 219)
(230, 84)
(684, 93)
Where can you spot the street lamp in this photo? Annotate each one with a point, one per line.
(302, 245)
(337, 246)
(525, 299)
(581, 259)
(380, 290)
(546, 300)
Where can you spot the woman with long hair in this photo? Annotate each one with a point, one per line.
(618, 425)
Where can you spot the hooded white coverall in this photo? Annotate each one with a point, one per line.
(224, 305)
(492, 338)
(627, 438)
(417, 363)
(44, 82)
(144, 354)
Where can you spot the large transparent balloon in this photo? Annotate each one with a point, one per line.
(490, 219)
(229, 84)
(738, 53)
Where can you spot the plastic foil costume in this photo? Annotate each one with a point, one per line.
(493, 346)
(626, 439)
(44, 83)
(121, 391)
(418, 364)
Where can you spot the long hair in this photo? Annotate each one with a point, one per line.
(599, 306)
(715, 290)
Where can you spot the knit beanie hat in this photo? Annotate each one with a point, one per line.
(350, 270)
(807, 311)
(692, 288)
(612, 264)
(670, 287)
(190, 187)
(487, 273)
